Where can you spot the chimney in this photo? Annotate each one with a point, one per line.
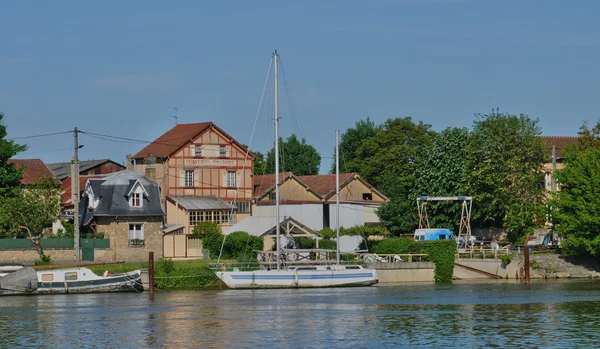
(129, 163)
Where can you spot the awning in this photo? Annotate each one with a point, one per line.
(197, 203)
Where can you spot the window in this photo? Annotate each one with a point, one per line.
(71, 276)
(273, 195)
(198, 150)
(367, 196)
(222, 151)
(242, 206)
(136, 234)
(231, 178)
(219, 217)
(136, 200)
(189, 178)
(47, 277)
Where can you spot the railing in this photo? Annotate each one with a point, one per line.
(393, 258)
(484, 253)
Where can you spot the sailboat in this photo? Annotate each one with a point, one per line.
(296, 276)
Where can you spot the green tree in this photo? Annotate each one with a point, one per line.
(505, 158)
(295, 156)
(260, 165)
(443, 174)
(10, 176)
(350, 143)
(576, 206)
(30, 210)
(205, 229)
(389, 162)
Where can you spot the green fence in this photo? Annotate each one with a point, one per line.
(26, 244)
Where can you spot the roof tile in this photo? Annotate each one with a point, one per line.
(35, 169)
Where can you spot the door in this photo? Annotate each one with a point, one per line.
(87, 249)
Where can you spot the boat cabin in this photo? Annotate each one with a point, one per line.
(433, 234)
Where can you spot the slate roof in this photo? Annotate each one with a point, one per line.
(177, 137)
(194, 203)
(112, 191)
(35, 169)
(561, 142)
(62, 170)
(66, 187)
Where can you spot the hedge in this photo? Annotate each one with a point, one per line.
(238, 245)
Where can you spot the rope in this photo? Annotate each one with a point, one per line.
(176, 277)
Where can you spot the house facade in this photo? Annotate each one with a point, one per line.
(559, 144)
(311, 200)
(125, 207)
(203, 175)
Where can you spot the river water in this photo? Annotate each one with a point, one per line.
(561, 314)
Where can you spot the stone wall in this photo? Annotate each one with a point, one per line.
(117, 230)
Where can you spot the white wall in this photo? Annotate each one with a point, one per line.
(310, 215)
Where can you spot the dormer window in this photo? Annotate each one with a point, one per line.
(136, 200)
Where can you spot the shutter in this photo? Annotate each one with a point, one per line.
(238, 179)
(196, 178)
(192, 150)
(182, 178)
(224, 179)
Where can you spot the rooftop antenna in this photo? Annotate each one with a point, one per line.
(174, 116)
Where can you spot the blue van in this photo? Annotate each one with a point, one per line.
(433, 234)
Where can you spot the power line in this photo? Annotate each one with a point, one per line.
(41, 135)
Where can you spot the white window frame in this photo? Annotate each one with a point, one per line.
(136, 231)
(231, 177)
(139, 197)
(197, 150)
(222, 151)
(189, 178)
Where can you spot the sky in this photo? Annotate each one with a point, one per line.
(118, 68)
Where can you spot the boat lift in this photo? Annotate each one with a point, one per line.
(464, 230)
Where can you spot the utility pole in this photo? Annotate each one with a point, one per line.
(75, 191)
(553, 183)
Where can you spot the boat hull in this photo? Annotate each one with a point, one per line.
(298, 279)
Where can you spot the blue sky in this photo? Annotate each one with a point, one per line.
(116, 67)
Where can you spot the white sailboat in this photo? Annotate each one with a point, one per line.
(295, 276)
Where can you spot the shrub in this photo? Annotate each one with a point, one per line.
(100, 235)
(327, 233)
(203, 230)
(393, 246)
(327, 244)
(44, 260)
(238, 245)
(165, 265)
(441, 253)
(506, 259)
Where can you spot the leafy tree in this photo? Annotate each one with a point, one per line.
(350, 143)
(10, 176)
(205, 229)
(505, 157)
(30, 210)
(295, 156)
(576, 206)
(389, 162)
(443, 174)
(260, 165)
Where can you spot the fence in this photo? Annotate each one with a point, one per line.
(63, 243)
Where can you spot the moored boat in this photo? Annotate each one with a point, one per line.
(67, 280)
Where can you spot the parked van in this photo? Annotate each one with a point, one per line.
(433, 234)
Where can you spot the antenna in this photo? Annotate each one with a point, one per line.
(174, 116)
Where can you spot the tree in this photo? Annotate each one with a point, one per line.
(205, 229)
(10, 176)
(351, 141)
(576, 206)
(505, 158)
(443, 174)
(295, 156)
(30, 210)
(260, 165)
(389, 161)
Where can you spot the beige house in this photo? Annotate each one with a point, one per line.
(311, 199)
(203, 175)
(558, 143)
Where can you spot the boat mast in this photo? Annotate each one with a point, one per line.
(337, 195)
(275, 59)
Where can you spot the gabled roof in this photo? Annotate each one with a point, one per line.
(262, 225)
(561, 142)
(180, 135)
(113, 200)
(35, 170)
(62, 170)
(322, 186)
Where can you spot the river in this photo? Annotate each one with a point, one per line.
(560, 314)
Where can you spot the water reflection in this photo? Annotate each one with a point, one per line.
(544, 314)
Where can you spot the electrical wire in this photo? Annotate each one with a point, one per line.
(41, 135)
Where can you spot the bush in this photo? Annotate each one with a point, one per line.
(393, 246)
(239, 244)
(100, 235)
(165, 266)
(327, 244)
(441, 253)
(44, 260)
(203, 230)
(327, 233)
(506, 259)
